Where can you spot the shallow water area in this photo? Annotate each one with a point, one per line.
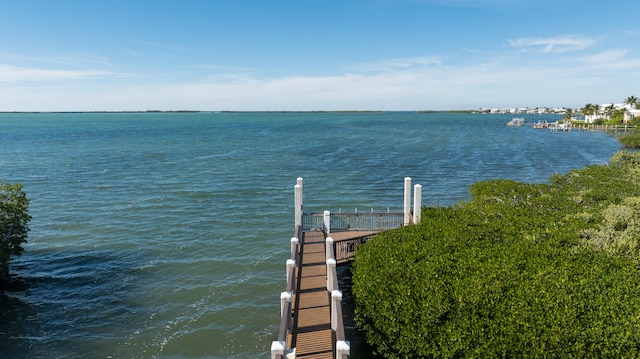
(165, 234)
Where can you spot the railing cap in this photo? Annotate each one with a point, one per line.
(343, 345)
(277, 347)
(291, 263)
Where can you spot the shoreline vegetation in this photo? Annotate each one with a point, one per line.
(519, 270)
(197, 111)
(589, 111)
(273, 111)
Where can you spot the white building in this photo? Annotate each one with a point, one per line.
(630, 114)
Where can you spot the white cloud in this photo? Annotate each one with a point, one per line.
(606, 57)
(444, 88)
(420, 82)
(555, 44)
(67, 60)
(9, 73)
(401, 63)
(472, 50)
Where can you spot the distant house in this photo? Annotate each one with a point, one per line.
(591, 118)
(602, 111)
(630, 114)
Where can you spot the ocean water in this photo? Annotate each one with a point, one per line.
(165, 235)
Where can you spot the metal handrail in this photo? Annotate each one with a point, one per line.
(341, 347)
(365, 221)
(298, 232)
(285, 323)
(356, 221)
(345, 250)
(339, 325)
(312, 221)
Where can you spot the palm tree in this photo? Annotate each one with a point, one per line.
(632, 101)
(608, 111)
(589, 109)
(568, 115)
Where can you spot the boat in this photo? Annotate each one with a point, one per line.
(541, 124)
(516, 121)
(557, 126)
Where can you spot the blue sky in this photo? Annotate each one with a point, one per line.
(115, 55)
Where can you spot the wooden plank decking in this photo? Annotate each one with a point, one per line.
(312, 335)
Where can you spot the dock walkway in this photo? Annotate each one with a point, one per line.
(312, 335)
(311, 323)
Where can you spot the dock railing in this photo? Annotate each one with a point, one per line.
(342, 347)
(606, 128)
(279, 347)
(354, 221)
(345, 249)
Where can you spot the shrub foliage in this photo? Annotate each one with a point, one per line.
(630, 141)
(519, 270)
(14, 223)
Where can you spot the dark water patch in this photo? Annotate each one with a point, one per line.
(70, 297)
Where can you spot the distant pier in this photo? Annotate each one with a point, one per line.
(606, 128)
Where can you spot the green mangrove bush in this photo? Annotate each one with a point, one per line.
(519, 270)
(14, 224)
(630, 141)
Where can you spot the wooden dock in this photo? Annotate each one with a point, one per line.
(311, 323)
(312, 335)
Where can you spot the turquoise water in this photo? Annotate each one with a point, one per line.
(164, 235)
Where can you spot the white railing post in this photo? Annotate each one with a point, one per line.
(285, 297)
(328, 249)
(331, 275)
(417, 203)
(291, 266)
(294, 247)
(407, 200)
(336, 300)
(343, 349)
(297, 189)
(277, 348)
(327, 221)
